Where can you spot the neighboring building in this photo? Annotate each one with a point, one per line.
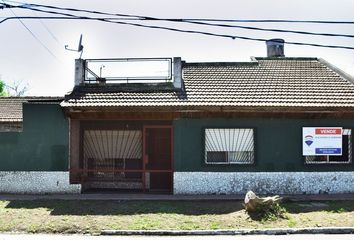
(34, 149)
(214, 128)
(11, 113)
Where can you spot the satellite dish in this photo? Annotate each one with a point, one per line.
(80, 47)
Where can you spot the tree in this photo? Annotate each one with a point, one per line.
(17, 88)
(2, 89)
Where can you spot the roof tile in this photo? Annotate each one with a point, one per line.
(270, 83)
(11, 107)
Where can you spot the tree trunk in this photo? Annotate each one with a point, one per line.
(253, 203)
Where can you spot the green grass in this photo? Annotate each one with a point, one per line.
(64, 216)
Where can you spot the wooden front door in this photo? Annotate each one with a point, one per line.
(158, 152)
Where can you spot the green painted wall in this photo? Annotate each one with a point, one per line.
(278, 144)
(41, 146)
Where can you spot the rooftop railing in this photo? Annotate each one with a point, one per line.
(128, 70)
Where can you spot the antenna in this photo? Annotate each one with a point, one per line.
(79, 49)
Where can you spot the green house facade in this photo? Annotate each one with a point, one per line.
(34, 146)
(211, 128)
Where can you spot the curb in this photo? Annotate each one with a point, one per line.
(271, 231)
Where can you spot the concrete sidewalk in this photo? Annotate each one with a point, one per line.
(231, 232)
(11, 236)
(165, 197)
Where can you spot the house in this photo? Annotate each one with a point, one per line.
(11, 113)
(33, 146)
(272, 125)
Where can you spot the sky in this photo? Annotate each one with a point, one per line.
(43, 64)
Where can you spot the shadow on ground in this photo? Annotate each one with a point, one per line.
(95, 207)
(91, 207)
(316, 206)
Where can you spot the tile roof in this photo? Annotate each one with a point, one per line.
(11, 107)
(267, 82)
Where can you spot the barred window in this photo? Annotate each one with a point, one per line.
(229, 146)
(107, 151)
(346, 156)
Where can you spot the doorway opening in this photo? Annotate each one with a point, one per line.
(130, 157)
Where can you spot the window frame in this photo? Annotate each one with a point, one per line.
(328, 162)
(228, 162)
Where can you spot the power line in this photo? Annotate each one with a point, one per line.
(4, 19)
(199, 22)
(182, 30)
(4, 5)
(33, 35)
(48, 30)
(271, 29)
(187, 19)
(268, 21)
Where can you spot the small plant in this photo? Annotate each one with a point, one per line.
(214, 225)
(338, 210)
(270, 213)
(291, 222)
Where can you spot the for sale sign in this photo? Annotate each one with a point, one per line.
(319, 141)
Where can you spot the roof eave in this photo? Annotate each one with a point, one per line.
(210, 108)
(337, 70)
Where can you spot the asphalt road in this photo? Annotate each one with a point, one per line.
(248, 237)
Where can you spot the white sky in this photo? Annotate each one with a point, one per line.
(22, 58)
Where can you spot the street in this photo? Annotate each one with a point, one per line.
(248, 237)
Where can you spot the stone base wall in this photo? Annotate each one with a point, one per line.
(34, 182)
(263, 182)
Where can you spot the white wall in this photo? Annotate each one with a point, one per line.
(263, 182)
(34, 182)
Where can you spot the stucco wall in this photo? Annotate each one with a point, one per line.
(41, 146)
(278, 144)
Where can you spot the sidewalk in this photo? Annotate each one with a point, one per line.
(165, 197)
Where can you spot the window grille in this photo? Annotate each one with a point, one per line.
(109, 150)
(229, 146)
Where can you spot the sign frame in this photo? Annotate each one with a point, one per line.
(322, 141)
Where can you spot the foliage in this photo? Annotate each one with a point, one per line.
(2, 89)
(17, 88)
(269, 212)
(272, 213)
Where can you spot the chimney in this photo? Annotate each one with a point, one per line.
(275, 47)
(79, 71)
(177, 72)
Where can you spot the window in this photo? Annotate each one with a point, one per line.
(229, 146)
(346, 157)
(108, 153)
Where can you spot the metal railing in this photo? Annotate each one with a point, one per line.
(122, 70)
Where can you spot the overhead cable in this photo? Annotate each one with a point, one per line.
(34, 35)
(186, 19)
(178, 29)
(190, 21)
